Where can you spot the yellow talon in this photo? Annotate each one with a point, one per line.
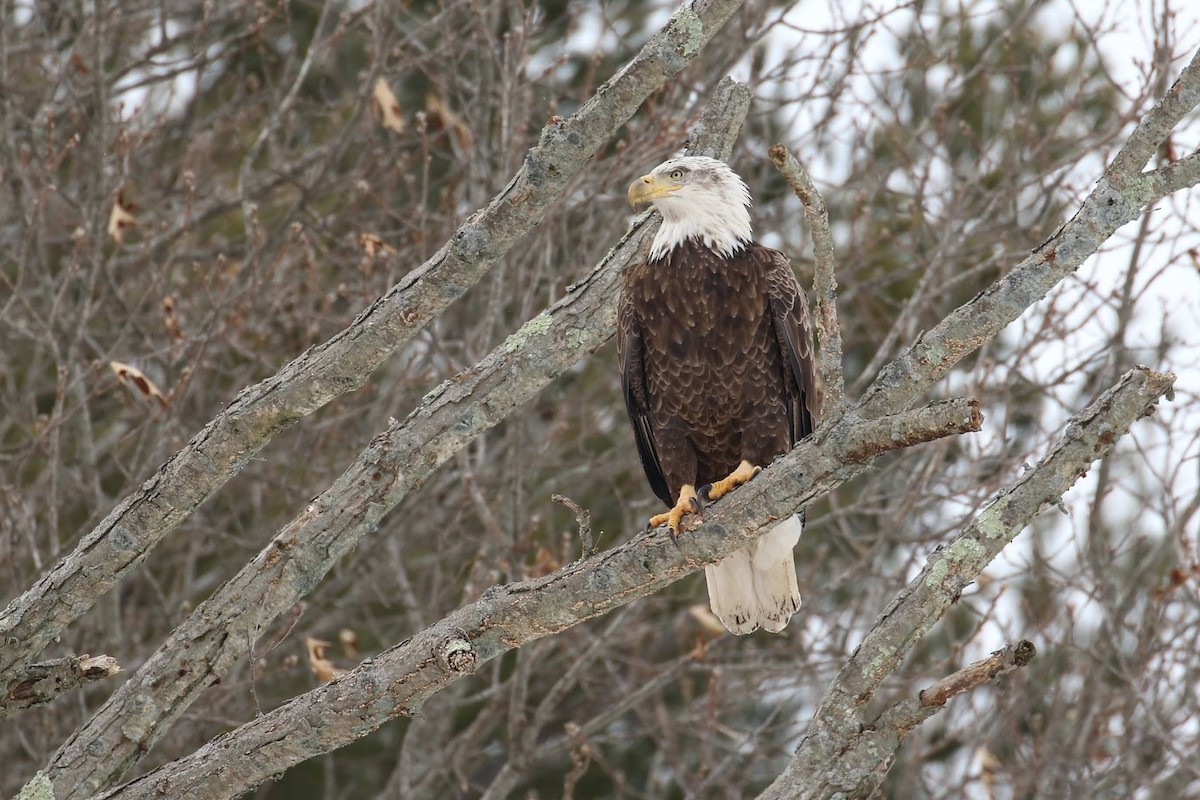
(744, 472)
(689, 503)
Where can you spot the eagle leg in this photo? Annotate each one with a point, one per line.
(689, 503)
(715, 491)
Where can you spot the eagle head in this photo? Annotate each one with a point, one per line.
(700, 199)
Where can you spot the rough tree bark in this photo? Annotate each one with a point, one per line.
(42, 682)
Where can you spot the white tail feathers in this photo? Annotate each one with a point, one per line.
(757, 587)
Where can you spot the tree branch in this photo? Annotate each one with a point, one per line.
(220, 631)
(820, 768)
(1181, 174)
(258, 413)
(40, 683)
(1119, 197)
(873, 749)
(998, 663)
(1154, 128)
(829, 334)
(398, 681)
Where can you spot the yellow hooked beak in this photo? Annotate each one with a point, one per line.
(647, 189)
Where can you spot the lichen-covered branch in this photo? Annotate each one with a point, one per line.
(998, 663)
(820, 768)
(398, 681)
(217, 634)
(40, 683)
(1181, 174)
(874, 748)
(1119, 197)
(1154, 128)
(233, 437)
(829, 335)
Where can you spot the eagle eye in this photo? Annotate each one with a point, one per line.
(676, 174)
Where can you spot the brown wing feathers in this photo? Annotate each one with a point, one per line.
(716, 361)
(633, 384)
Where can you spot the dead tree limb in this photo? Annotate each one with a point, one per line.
(829, 335)
(42, 682)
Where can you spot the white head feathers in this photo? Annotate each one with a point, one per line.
(699, 198)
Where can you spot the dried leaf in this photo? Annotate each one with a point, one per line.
(349, 639)
(321, 666)
(136, 380)
(441, 115)
(121, 218)
(989, 765)
(374, 246)
(383, 101)
(710, 626)
(171, 317)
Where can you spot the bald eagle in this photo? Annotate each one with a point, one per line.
(717, 370)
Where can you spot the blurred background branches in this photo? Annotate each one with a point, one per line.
(202, 191)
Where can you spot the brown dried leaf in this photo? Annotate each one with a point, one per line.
(710, 626)
(321, 666)
(441, 115)
(136, 380)
(373, 245)
(349, 639)
(989, 765)
(384, 103)
(544, 563)
(121, 218)
(171, 317)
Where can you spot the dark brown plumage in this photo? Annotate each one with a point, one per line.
(716, 363)
(717, 371)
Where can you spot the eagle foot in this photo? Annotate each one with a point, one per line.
(715, 491)
(689, 503)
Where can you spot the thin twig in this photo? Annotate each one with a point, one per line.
(583, 518)
(829, 335)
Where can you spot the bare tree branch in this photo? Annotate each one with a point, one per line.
(1119, 197)
(40, 683)
(1154, 128)
(821, 768)
(998, 663)
(876, 745)
(829, 335)
(400, 680)
(1181, 174)
(230, 440)
(221, 630)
